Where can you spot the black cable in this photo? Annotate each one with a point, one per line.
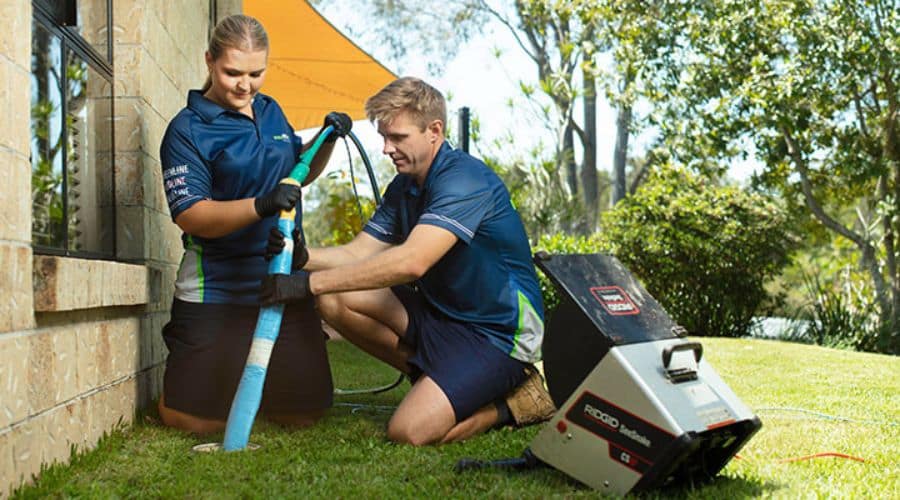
(368, 165)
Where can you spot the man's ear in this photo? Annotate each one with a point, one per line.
(436, 127)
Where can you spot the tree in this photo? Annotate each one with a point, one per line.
(559, 37)
(813, 85)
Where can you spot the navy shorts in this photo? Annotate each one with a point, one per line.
(470, 370)
(208, 346)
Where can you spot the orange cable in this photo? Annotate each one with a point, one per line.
(823, 454)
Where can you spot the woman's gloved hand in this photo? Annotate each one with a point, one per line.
(283, 197)
(275, 245)
(341, 123)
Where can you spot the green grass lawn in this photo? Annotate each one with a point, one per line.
(346, 455)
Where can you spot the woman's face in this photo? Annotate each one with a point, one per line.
(236, 77)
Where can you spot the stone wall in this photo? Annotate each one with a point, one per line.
(80, 344)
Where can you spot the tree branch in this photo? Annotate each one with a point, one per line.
(868, 260)
(811, 201)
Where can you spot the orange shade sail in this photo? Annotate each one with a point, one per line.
(313, 68)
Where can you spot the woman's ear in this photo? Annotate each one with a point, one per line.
(209, 61)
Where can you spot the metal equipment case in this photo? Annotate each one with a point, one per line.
(639, 406)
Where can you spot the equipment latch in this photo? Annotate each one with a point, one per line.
(684, 368)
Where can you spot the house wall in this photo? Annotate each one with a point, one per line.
(80, 343)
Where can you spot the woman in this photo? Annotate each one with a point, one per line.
(222, 158)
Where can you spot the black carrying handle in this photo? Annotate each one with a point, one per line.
(684, 346)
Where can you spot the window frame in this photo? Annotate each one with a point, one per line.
(54, 16)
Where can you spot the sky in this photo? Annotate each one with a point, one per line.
(477, 79)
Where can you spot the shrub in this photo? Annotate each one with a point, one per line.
(704, 251)
(842, 316)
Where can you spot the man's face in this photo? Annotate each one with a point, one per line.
(410, 148)
(236, 76)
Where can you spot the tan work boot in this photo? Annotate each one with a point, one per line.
(530, 403)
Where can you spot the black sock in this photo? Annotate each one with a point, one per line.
(503, 415)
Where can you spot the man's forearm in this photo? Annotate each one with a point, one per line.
(388, 268)
(329, 257)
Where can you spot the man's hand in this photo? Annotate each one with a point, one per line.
(275, 246)
(341, 123)
(283, 197)
(282, 288)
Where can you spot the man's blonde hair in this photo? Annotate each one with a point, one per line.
(423, 102)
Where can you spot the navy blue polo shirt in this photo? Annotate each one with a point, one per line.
(487, 278)
(211, 153)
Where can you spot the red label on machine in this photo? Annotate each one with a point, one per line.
(614, 300)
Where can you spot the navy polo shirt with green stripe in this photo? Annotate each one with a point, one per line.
(487, 278)
(211, 153)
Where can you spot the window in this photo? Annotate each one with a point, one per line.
(73, 202)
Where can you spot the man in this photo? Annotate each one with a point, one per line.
(439, 284)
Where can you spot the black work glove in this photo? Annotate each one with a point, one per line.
(283, 197)
(341, 123)
(275, 246)
(282, 288)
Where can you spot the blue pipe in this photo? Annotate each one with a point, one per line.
(249, 392)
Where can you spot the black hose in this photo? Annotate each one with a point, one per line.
(377, 193)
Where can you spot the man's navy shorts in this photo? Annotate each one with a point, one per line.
(470, 370)
(208, 346)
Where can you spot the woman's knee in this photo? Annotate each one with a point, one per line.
(187, 422)
(297, 420)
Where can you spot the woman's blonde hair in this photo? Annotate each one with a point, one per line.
(423, 102)
(236, 32)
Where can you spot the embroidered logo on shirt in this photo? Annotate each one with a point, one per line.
(282, 137)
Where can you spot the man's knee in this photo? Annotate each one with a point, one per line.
(331, 306)
(408, 433)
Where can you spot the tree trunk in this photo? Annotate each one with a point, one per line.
(568, 159)
(620, 155)
(589, 165)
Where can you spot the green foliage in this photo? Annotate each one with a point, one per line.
(702, 250)
(332, 214)
(812, 85)
(537, 191)
(840, 317)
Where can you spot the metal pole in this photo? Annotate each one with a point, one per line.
(464, 128)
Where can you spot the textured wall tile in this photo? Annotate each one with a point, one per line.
(26, 444)
(16, 308)
(130, 178)
(15, 218)
(13, 379)
(7, 469)
(129, 124)
(124, 284)
(16, 15)
(129, 19)
(131, 233)
(125, 335)
(64, 343)
(41, 374)
(91, 354)
(60, 426)
(65, 284)
(127, 64)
